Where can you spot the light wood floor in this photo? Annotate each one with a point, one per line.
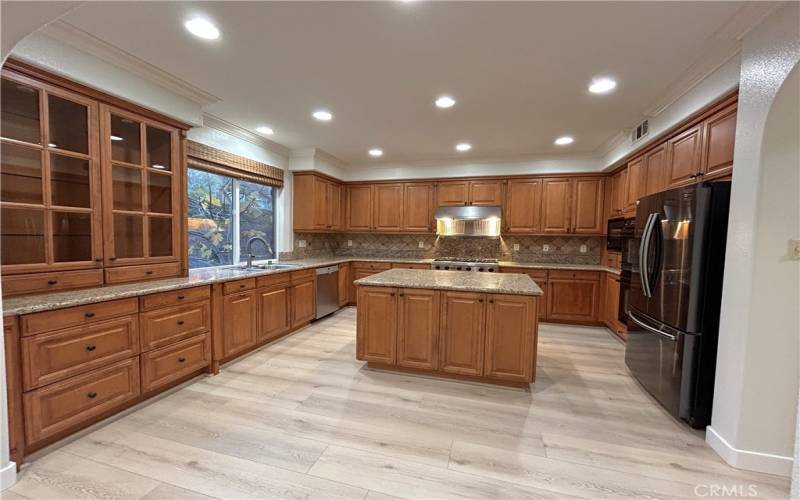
(303, 419)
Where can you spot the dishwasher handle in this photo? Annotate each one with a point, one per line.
(327, 270)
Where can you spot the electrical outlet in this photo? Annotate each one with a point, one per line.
(349, 243)
(421, 244)
(516, 246)
(545, 248)
(301, 243)
(584, 249)
(795, 252)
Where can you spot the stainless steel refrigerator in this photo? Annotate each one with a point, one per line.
(676, 262)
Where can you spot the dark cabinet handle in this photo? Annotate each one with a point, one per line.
(480, 300)
(181, 360)
(92, 395)
(52, 282)
(180, 321)
(91, 347)
(181, 297)
(89, 315)
(99, 259)
(241, 286)
(402, 295)
(392, 294)
(148, 272)
(491, 301)
(700, 174)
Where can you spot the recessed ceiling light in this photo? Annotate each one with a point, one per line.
(202, 28)
(376, 152)
(265, 130)
(116, 138)
(445, 101)
(322, 115)
(563, 141)
(602, 85)
(464, 146)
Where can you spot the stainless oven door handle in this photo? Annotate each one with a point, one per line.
(649, 328)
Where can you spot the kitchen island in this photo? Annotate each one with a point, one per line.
(469, 325)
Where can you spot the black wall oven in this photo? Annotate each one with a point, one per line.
(616, 232)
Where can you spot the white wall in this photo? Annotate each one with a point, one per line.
(283, 200)
(755, 398)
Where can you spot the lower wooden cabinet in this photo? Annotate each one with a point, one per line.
(240, 322)
(66, 405)
(462, 333)
(540, 277)
(418, 329)
(168, 364)
(274, 313)
(16, 442)
(573, 296)
(344, 284)
(171, 324)
(610, 313)
(303, 300)
(510, 337)
(377, 325)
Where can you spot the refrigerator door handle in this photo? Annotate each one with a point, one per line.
(649, 328)
(644, 250)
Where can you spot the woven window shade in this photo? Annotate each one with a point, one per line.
(221, 162)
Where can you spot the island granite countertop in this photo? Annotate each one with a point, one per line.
(463, 281)
(27, 304)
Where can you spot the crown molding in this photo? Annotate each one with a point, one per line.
(229, 128)
(73, 36)
(333, 160)
(488, 160)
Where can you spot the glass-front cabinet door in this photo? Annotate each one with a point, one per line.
(140, 184)
(50, 203)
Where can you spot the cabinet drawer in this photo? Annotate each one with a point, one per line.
(577, 275)
(165, 326)
(411, 266)
(139, 273)
(51, 357)
(80, 315)
(165, 365)
(304, 275)
(238, 286)
(535, 274)
(273, 280)
(176, 297)
(70, 403)
(383, 266)
(51, 282)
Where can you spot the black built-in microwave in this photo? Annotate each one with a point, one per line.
(616, 233)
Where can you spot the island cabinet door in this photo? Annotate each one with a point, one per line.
(376, 325)
(510, 337)
(462, 333)
(418, 329)
(239, 322)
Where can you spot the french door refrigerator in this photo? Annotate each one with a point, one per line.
(676, 261)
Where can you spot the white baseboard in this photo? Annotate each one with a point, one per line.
(8, 475)
(748, 460)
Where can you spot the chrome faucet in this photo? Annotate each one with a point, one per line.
(250, 249)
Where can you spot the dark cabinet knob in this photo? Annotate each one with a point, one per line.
(402, 295)
(241, 286)
(181, 360)
(181, 297)
(52, 282)
(180, 321)
(491, 301)
(92, 395)
(480, 300)
(392, 294)
(148, 272)
(89, 315)
(91, 347)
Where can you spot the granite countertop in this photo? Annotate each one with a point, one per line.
(47, 301)
(465, 281)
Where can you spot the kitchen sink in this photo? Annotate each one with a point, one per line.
(270, 267)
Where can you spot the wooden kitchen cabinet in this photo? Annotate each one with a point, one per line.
(388, 207)
(418, 328)
(16, 441)
(334, 200)
(523, 204)
(656, 162)
(317, 203)
(452, 193)
(462, 333)
(684, 152)
(611, 305)
(274, 312)
(510, 337)
(718, 140)
(487, 192)
(377, 325)
(539, 276)
(344, 284)
(573, 296)
(587, 206)
(418, 207)
(635, 183)
(142, 182)
(240, 322)
(359, 207)
(618, 203)
(303, 300)
(556, 193)
(166, 365)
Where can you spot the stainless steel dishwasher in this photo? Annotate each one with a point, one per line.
(327, 290)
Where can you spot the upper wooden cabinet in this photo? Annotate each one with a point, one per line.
(418, 207)
(684, 153)
(142, 183)
(635, 182)
(719, 134)
(523, 206)
(317, 203)
(359, 207)
(655, 161)
(617, 187)
(388, 207)
(572, 205)
(85, 185)
(477, 192)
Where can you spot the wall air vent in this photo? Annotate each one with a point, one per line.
(639, 131)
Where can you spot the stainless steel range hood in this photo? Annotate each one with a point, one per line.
(468, 221)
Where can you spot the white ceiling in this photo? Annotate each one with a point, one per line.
(519, 71)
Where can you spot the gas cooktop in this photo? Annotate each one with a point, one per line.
(465, 264)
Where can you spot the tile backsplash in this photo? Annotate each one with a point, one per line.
(562, 249)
